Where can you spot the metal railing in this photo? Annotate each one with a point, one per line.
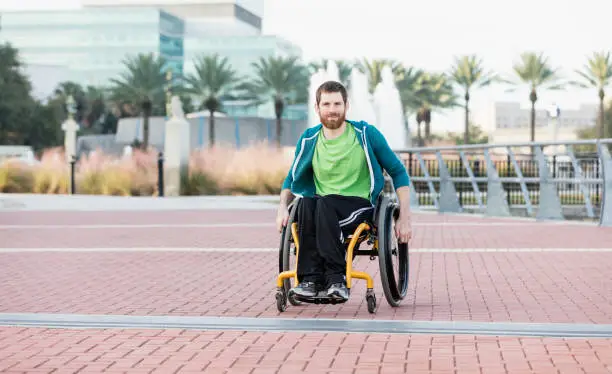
(545, 180)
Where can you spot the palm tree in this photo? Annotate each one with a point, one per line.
(430, 92)
(373, 69)
(468, 72)
(68, 88)
(283, 79)
(536, 71)
(597, 73)
(214, 80)
(97, 105)
(143, 82)
(407, 86)
(344, 69)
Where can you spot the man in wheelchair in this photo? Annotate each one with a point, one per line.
(338, 173)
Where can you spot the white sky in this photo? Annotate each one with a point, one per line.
(429, 33)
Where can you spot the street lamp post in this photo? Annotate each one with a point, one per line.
(168, 93)
(70, 127)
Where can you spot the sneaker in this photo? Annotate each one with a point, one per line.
(304, 289)
(338, 291)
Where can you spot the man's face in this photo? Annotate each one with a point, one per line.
(331, 110)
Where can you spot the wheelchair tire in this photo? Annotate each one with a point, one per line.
(395, 286)
(287, 249)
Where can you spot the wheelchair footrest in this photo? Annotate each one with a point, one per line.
(321, 298)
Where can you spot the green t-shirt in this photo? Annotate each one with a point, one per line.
(340, 166)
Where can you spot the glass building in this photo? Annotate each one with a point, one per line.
(89, 45)
(93, 43)
(241, 51)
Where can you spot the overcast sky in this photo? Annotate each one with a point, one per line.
(429, 33)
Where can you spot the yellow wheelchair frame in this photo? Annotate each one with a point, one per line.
(394, 291)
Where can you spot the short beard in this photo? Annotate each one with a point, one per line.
(333, 124)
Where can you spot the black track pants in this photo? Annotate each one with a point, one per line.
(323, 223)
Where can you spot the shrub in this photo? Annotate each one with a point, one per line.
(16, 177)
(52, 174)
(100, 174)
(257, 169)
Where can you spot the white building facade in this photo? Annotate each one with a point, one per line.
(512, 122)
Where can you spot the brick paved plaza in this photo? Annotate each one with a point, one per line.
(524, 296)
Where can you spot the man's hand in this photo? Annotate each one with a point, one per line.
(282, 217)
(403, 228)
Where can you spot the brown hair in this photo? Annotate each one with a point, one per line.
(331, 86)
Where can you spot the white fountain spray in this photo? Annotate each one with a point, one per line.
(389, 111)
(333, 74)
(316, 79)
(361, 107)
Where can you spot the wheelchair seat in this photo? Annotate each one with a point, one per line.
(362, 236)
(365, 235)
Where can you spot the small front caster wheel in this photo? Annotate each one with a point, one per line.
(293, 301)
(371, 300)
(281, 301)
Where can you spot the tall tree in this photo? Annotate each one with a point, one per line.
(407, 86)
(536, 71)
(344, 69)
(373, 69)
(597, 73)
(143, 83)
(66, 89)
(282, 79)
(431, 91)
(90, 104)
(214, 80)
(15, 99)
(97, 107)
(23, 120)
(468, 73)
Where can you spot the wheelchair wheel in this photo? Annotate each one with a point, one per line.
(287, 258)
(392, 256)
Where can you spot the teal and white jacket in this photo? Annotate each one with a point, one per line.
(300, 179)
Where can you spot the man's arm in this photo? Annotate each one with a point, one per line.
(401, 181)
(286, 196)
(388, 159)
(403, 195)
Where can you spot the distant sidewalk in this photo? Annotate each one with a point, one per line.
(47, 202)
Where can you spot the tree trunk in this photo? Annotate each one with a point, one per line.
(532, 123)
(420, 140)
(601, 127)
(533, 97)
(145, 133)
(211, 128)
(146, 112)
(427, 120)
(279, 106)
(466, 134)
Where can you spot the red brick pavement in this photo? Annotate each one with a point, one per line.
(516, 234)
(33, 350)
(519, 287)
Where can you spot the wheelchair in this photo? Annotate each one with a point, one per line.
(380, 234)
